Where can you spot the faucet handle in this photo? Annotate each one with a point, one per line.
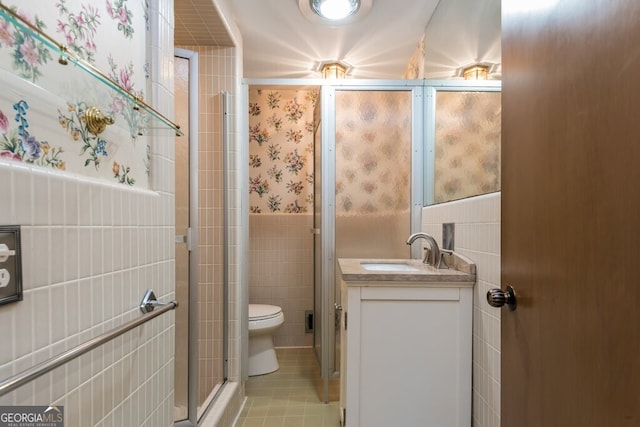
(427, 255)
(442, 262)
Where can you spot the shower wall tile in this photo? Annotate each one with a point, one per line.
(281, 271)
(477, 236)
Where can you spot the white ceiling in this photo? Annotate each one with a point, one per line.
(280, 42)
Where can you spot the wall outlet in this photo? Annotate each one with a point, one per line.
(308, 321)
(10, 264)
(5, 277)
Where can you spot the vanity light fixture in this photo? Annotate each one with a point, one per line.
(476, 72)
(334, 70)
(335, 10)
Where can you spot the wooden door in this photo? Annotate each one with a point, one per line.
(571, 213)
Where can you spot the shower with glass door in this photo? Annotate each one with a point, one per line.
(201, 264)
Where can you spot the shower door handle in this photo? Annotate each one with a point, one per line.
(315, 231)
(185, 238)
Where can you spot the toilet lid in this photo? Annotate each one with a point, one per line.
(263, 311)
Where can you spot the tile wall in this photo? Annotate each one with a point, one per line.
(90, 250)
(281, 271)
(477, 236)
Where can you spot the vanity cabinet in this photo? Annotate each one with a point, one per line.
(406, 350)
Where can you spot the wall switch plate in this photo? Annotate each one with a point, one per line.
(10, 264)
(448, 235)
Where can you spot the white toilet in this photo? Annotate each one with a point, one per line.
(264, 320)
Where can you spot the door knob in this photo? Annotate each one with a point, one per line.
(497, 298)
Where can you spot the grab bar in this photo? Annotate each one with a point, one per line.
(42, 368)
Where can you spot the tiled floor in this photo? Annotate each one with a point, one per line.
(287, 397)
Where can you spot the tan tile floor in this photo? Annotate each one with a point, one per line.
(287, 397)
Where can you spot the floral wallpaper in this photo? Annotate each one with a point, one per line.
(42, 112)
(281, 150)
(467, 144)
(373, 152)
(373, 149)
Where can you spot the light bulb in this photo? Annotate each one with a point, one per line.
(335, 9)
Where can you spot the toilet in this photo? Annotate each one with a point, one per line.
(264, 320)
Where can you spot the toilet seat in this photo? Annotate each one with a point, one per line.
(263, 311)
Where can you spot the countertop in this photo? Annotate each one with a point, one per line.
(461, 271)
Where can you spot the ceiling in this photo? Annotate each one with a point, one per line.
(198, 23)
(280, 42)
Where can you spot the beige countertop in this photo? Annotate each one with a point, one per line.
(354, 273)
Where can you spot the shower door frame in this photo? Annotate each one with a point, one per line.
(331, 296)
(192, 352)
(193, 412)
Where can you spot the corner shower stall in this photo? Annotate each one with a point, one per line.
(376, 148)
(201, 239)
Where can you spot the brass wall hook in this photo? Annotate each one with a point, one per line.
(63, 55)
(96, 121)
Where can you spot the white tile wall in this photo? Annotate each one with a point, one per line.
(90, 249)
(477, 236)
(77, 286)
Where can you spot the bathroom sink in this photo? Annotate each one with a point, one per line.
(388, 266)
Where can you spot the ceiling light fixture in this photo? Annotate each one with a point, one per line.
(335, 10)
(476, 72)
(334, 70)
(352, 11)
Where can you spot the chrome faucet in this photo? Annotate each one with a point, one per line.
(432, 256)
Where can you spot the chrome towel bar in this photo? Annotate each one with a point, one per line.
(42, 368)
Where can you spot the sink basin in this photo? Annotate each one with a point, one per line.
(388, 266)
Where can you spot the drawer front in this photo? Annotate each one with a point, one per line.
(414, 294)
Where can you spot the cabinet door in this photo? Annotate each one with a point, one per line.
(413, 361)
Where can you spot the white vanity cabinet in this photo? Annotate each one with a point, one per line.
(406, 349)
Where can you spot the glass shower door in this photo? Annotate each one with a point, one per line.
(182, 224)
(373, 178)
(365, 184)
(373, 173)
